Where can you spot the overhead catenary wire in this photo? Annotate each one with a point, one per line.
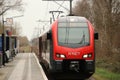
(65, 7)
(46, 9)
(57, 11)
(61, 5)
(43, 21)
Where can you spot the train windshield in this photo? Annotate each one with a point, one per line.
(73, 34)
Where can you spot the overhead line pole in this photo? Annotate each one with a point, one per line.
(71, 7)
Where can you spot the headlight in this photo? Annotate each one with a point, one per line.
(87, 55)
(60, 55)
(57, 55)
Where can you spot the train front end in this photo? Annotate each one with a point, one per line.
(73, 46)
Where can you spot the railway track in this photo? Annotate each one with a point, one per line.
(70, 79)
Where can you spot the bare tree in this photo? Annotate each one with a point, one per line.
(105, 15)
(16, 29)
(6, 5)
(23, 41)
(107, 19)
(82, 8)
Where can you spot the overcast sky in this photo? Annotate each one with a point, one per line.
(35, 10)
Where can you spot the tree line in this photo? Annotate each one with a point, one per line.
(6, 5)
(105, 17)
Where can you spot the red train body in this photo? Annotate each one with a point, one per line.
(68, 49)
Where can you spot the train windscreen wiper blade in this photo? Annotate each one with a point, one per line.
(82, 39)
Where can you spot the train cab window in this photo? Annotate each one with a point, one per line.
(73, 34)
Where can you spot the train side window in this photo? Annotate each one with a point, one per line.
(49, 35)
(96, 36)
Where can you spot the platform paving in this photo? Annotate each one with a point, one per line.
(24, 66)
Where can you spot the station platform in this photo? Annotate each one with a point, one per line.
(25, 66)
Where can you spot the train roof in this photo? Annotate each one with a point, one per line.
(65, 19)
(45, 31)
(72, 19)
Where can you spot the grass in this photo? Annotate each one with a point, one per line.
(102, 74)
